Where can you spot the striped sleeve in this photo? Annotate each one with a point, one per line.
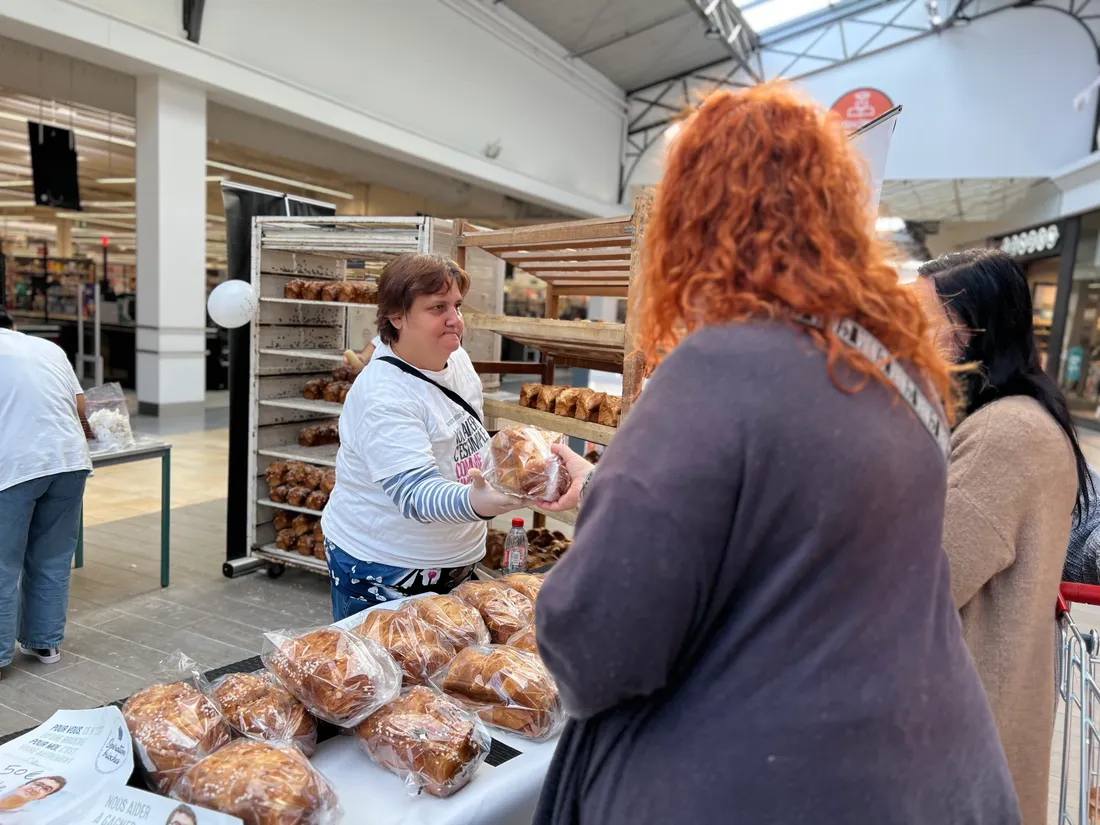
(423, 495)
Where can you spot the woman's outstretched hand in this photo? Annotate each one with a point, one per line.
(578, 470)
(489, 502)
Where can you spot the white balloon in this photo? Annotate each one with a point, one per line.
(232, 304)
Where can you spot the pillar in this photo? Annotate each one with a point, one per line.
(171, 247)
(64, 239)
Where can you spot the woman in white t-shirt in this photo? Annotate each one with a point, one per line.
(409, 511)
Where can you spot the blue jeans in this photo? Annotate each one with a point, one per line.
(39, 525)
(357, 585)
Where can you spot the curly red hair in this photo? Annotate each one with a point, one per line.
(763, 213)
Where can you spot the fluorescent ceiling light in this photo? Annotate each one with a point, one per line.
(767, 14)
(76, 130)
(252, 173)
(22, 171)
(17, 203)
(90, 216)
(109, 204)
(12, 184)
(116, 180)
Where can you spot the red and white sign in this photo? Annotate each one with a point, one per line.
(860, 106)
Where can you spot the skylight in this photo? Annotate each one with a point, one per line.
(763, 15)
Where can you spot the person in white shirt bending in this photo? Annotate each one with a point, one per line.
(409, 511)
(44, 462)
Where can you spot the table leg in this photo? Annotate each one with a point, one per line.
(78, 557)
(165, 514)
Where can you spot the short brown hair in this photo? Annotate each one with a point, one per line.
(409, 276)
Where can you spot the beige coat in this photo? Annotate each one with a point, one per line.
(1011, 488)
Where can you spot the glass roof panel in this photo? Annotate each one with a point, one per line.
(763, 15)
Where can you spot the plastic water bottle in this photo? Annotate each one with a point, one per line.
(515, 548)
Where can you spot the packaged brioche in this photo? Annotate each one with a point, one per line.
(338, 676)
(525, 640)
(262, 783)
(418, 648)
(460, 623)
(507, 687)
(173, 722)
(528, 584)
(428, 739)
(256, 706)
(518, 460)
(505, 611)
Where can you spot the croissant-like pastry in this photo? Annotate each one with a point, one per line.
(459, 622)
(588, 406)
(415, 645)
(611, 411)
(505, 611)
(547, 397)
(566, 403)
(311, 291)
(427, 739)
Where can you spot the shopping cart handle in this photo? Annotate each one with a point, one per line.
(1080, 593)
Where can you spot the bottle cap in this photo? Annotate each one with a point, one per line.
(517, 522)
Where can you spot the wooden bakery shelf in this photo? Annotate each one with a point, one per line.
(591, 340)
(586, 430)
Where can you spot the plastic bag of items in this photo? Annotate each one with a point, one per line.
(174, 723)
(427, 739)
(262, 783)
(460, 623)
(505, 611)
(507, 687)
(105, 409)
(519, 461)
(418, 648)
(338, 676)
(256, 706)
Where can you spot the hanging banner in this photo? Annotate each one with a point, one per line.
(873, 142)
(859, 107)
(242, 204)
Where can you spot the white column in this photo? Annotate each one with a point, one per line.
(171, 246)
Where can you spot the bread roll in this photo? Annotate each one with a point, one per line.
(525, 583)
(282, 519)
(338, 677)
(345, 293)
(296, 474)
(427, 739)
(344, 390)
(319, 435)
(529, 394)
(174, 726)
(459, 622)
(262, 784)
(328, 481)
(314, 389)
(293, 289)
(317, 500)
(311, 290)
(521, 462)
(504, 611)
(512, 688)
(611, 411)
(314, 476)
(297, 496)
(566, 403)
(588, 406)
(276, 473)
(525, 640)
(278, 494)
(330, 291)
(258, 707)
(547, 397)
(304, 544)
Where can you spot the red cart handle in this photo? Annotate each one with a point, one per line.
(1070, 592)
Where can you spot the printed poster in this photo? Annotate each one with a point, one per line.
(129, 806)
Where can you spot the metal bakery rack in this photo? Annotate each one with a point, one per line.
(295, 340)
(599, 257)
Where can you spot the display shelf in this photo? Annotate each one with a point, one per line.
(313, 354)
(347, 304)
(597, 433)
(581, 340)
(294, 340)
(329, 408)
(266, 502)
(323, 456)
(269, 552)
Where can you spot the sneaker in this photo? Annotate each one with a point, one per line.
(46, 655)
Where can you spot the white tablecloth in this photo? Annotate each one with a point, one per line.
(502, 795)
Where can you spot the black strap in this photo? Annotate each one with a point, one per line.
(413, 371)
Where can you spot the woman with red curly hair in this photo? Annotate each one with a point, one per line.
(755, 621)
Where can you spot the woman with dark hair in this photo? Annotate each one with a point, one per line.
(756, 625)
(409, 510)
(1016, 478)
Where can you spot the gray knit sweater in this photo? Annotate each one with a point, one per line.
(1083, 555)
